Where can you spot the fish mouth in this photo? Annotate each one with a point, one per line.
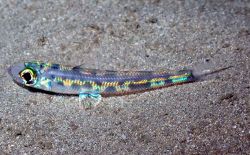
(14, 71)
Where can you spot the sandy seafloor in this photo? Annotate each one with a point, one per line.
(205, 117)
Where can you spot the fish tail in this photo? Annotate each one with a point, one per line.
(205, 74)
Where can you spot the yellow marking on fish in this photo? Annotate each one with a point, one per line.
(93, 83)
(114, 84)
(108, 84)
(178, 76)
(127, 83)
(103, 83)
(83, 82)
(157, 79)
(76, 82)
(67, 82)
(140, 82)
(79, 82)
(59, 79)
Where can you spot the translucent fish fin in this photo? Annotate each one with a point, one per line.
(76, 68)
(86, 104)
(203, 75)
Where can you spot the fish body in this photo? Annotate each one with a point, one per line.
(93, 82)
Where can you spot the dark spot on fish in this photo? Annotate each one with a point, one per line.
(139, 86)
(168, 81)
(87, 85)
(60, 83)
(158, 82)
(55, 66)
(52, 77)
(110, 89)
(41, 66)
(120, 83)
(98, 83)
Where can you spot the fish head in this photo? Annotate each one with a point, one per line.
(27, 73)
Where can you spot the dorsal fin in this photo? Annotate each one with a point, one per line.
(77, 68)
(84, 70)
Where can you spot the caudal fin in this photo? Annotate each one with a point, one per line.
(203, 75)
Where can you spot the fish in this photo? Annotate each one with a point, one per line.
(94, 83)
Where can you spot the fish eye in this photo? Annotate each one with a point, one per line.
(29, 76)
